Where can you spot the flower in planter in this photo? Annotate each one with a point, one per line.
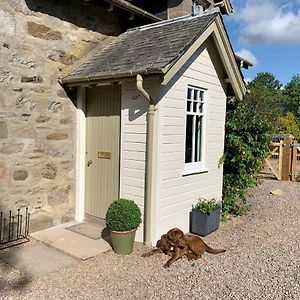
(207, 206)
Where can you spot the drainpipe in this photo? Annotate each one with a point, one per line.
(149, 161)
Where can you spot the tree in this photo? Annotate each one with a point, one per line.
(288, 124)
(268, 80)
(292, 97)
(265, 96)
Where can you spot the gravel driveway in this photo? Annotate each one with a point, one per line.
(262, 262)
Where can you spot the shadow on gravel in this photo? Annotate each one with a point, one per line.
(10, 278)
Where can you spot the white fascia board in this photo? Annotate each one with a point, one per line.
(228, 58)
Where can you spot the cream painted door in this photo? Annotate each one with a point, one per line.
(102, 149)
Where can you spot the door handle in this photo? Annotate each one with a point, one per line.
(89, 162)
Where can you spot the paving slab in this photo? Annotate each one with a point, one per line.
(72, 243)
(90, 230)
(37, 260)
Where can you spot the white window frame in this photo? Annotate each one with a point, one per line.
(198, 166)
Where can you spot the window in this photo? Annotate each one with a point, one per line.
(194, 128)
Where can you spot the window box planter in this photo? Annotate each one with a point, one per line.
(204, 223)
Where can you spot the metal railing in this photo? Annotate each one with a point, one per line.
(14, 229)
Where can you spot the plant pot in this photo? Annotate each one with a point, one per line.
(204, 223)
(122, 241)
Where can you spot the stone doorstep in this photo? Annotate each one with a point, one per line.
(71, 243)
(37, 260)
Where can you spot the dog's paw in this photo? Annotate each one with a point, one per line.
(166, 265)
(146, 254)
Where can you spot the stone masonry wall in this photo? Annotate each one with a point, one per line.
(41, 41)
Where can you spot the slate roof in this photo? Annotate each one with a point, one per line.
(145, 50)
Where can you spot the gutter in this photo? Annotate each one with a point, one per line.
(110, 76)
(149, 160)
(133, 9)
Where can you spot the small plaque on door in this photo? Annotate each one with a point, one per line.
(105, 155)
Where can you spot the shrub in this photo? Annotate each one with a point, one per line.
(123, 215)
(247, 139)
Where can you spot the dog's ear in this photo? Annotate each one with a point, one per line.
(171, 236)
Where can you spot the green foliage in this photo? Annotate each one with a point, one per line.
(123, 215)
(265, 96)
(288, 124)
(268, 108)
(247, 141)
(268, 80)
(291, 94)
(270, 100)
(206, 207)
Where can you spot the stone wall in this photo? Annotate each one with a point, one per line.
(40, 42)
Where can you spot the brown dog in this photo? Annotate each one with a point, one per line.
(177, 244)
(169, 247)
(196, 246)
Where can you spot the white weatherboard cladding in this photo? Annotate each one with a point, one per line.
(178, 193)
(134, 108)
(172, 194)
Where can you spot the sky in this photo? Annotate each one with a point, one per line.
(267, 32)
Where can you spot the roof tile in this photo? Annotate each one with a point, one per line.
(148, 48)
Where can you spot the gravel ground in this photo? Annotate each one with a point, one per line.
(262, 262)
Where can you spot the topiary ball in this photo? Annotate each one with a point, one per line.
(123, 215)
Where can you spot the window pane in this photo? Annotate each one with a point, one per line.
(188, 108)
(198, 138)
(201, 95)
(195, 106)
(189, 93)
(200, 107)
(196, 93)
(189, 139)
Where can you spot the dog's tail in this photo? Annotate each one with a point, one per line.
(213, 251)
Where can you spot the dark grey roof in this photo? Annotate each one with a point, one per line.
(145, 49)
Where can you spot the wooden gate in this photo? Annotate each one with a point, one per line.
(284, 159)
(274, 160)
(295, 176)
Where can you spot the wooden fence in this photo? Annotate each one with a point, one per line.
(284, 159)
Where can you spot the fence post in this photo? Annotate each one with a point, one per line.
(286, 159)
(294, 161)
(280, 155)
